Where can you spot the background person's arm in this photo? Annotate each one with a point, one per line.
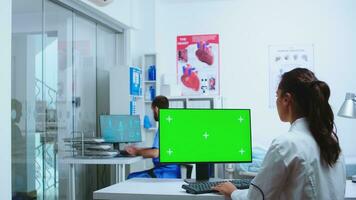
(144, 152)
(148, 153)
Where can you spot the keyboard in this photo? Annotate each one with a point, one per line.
(124, 153)
(205, 187)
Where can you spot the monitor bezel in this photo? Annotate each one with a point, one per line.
(202, 162)
(139, 117)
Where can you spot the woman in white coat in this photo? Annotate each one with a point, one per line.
(305, 163)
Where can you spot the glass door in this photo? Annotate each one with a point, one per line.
(27, 98)
(57, 97)
(85, 76)
(106, 60)
(84, 86)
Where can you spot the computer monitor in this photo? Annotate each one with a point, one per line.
(120, 128)
(205, 136)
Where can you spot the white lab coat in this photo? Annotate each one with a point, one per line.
(293, 169)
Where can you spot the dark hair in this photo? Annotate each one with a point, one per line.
(311, 97)
(160, 102)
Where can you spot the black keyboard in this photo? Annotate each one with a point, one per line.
(205, 187)
(123, 153)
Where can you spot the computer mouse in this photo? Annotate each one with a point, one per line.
(353, 178)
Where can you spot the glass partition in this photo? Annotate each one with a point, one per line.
(26, 98)
(57, 55)
(57, 84)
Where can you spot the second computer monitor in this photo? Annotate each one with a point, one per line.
(120, 128)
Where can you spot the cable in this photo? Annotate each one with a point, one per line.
(263, 195)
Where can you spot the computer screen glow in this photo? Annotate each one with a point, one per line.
(120, 128)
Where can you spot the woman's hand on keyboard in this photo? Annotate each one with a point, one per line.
(225, 188)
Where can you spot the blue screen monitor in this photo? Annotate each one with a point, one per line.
(120, 128)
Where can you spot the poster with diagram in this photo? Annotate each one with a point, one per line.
(283, 58)
(198, 64)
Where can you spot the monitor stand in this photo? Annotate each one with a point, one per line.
(116, 146)
(202, 171)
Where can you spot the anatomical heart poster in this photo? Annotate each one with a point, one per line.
(198, 64)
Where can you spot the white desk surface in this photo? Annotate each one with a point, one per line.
(161, 189)
(151, 189)
(101, 161)
(350, 190)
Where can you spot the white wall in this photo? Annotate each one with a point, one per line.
(143, 34)
(246, 28)
(5, 100)
(121, 10)
(139, 15)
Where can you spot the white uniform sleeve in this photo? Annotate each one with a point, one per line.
(239, 195)
(270, 178)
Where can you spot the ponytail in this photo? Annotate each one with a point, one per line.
(311, 98)
(321, 122)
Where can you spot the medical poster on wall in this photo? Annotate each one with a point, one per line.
(283, 58)
(198, 64)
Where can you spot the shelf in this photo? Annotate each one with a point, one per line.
(148, 101)
(150, 54)
(150, 82)
(152, 129)
(136, 96)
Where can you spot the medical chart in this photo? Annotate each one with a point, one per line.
(283, 58)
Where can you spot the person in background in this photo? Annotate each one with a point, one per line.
(306, 163)
(159, 170)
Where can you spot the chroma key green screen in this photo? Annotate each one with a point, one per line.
(205, 135)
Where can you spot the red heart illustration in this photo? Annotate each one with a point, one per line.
(204, 53)
(190, 78)
(191, 81)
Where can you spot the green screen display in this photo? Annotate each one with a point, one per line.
(197, 135)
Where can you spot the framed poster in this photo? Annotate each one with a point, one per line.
(283, 58)
(198, 64)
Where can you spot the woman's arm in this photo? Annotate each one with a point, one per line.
(270, 179)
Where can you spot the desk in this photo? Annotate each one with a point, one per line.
(151, 189)
(119, 163)
(162, 189)
(350, 190)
